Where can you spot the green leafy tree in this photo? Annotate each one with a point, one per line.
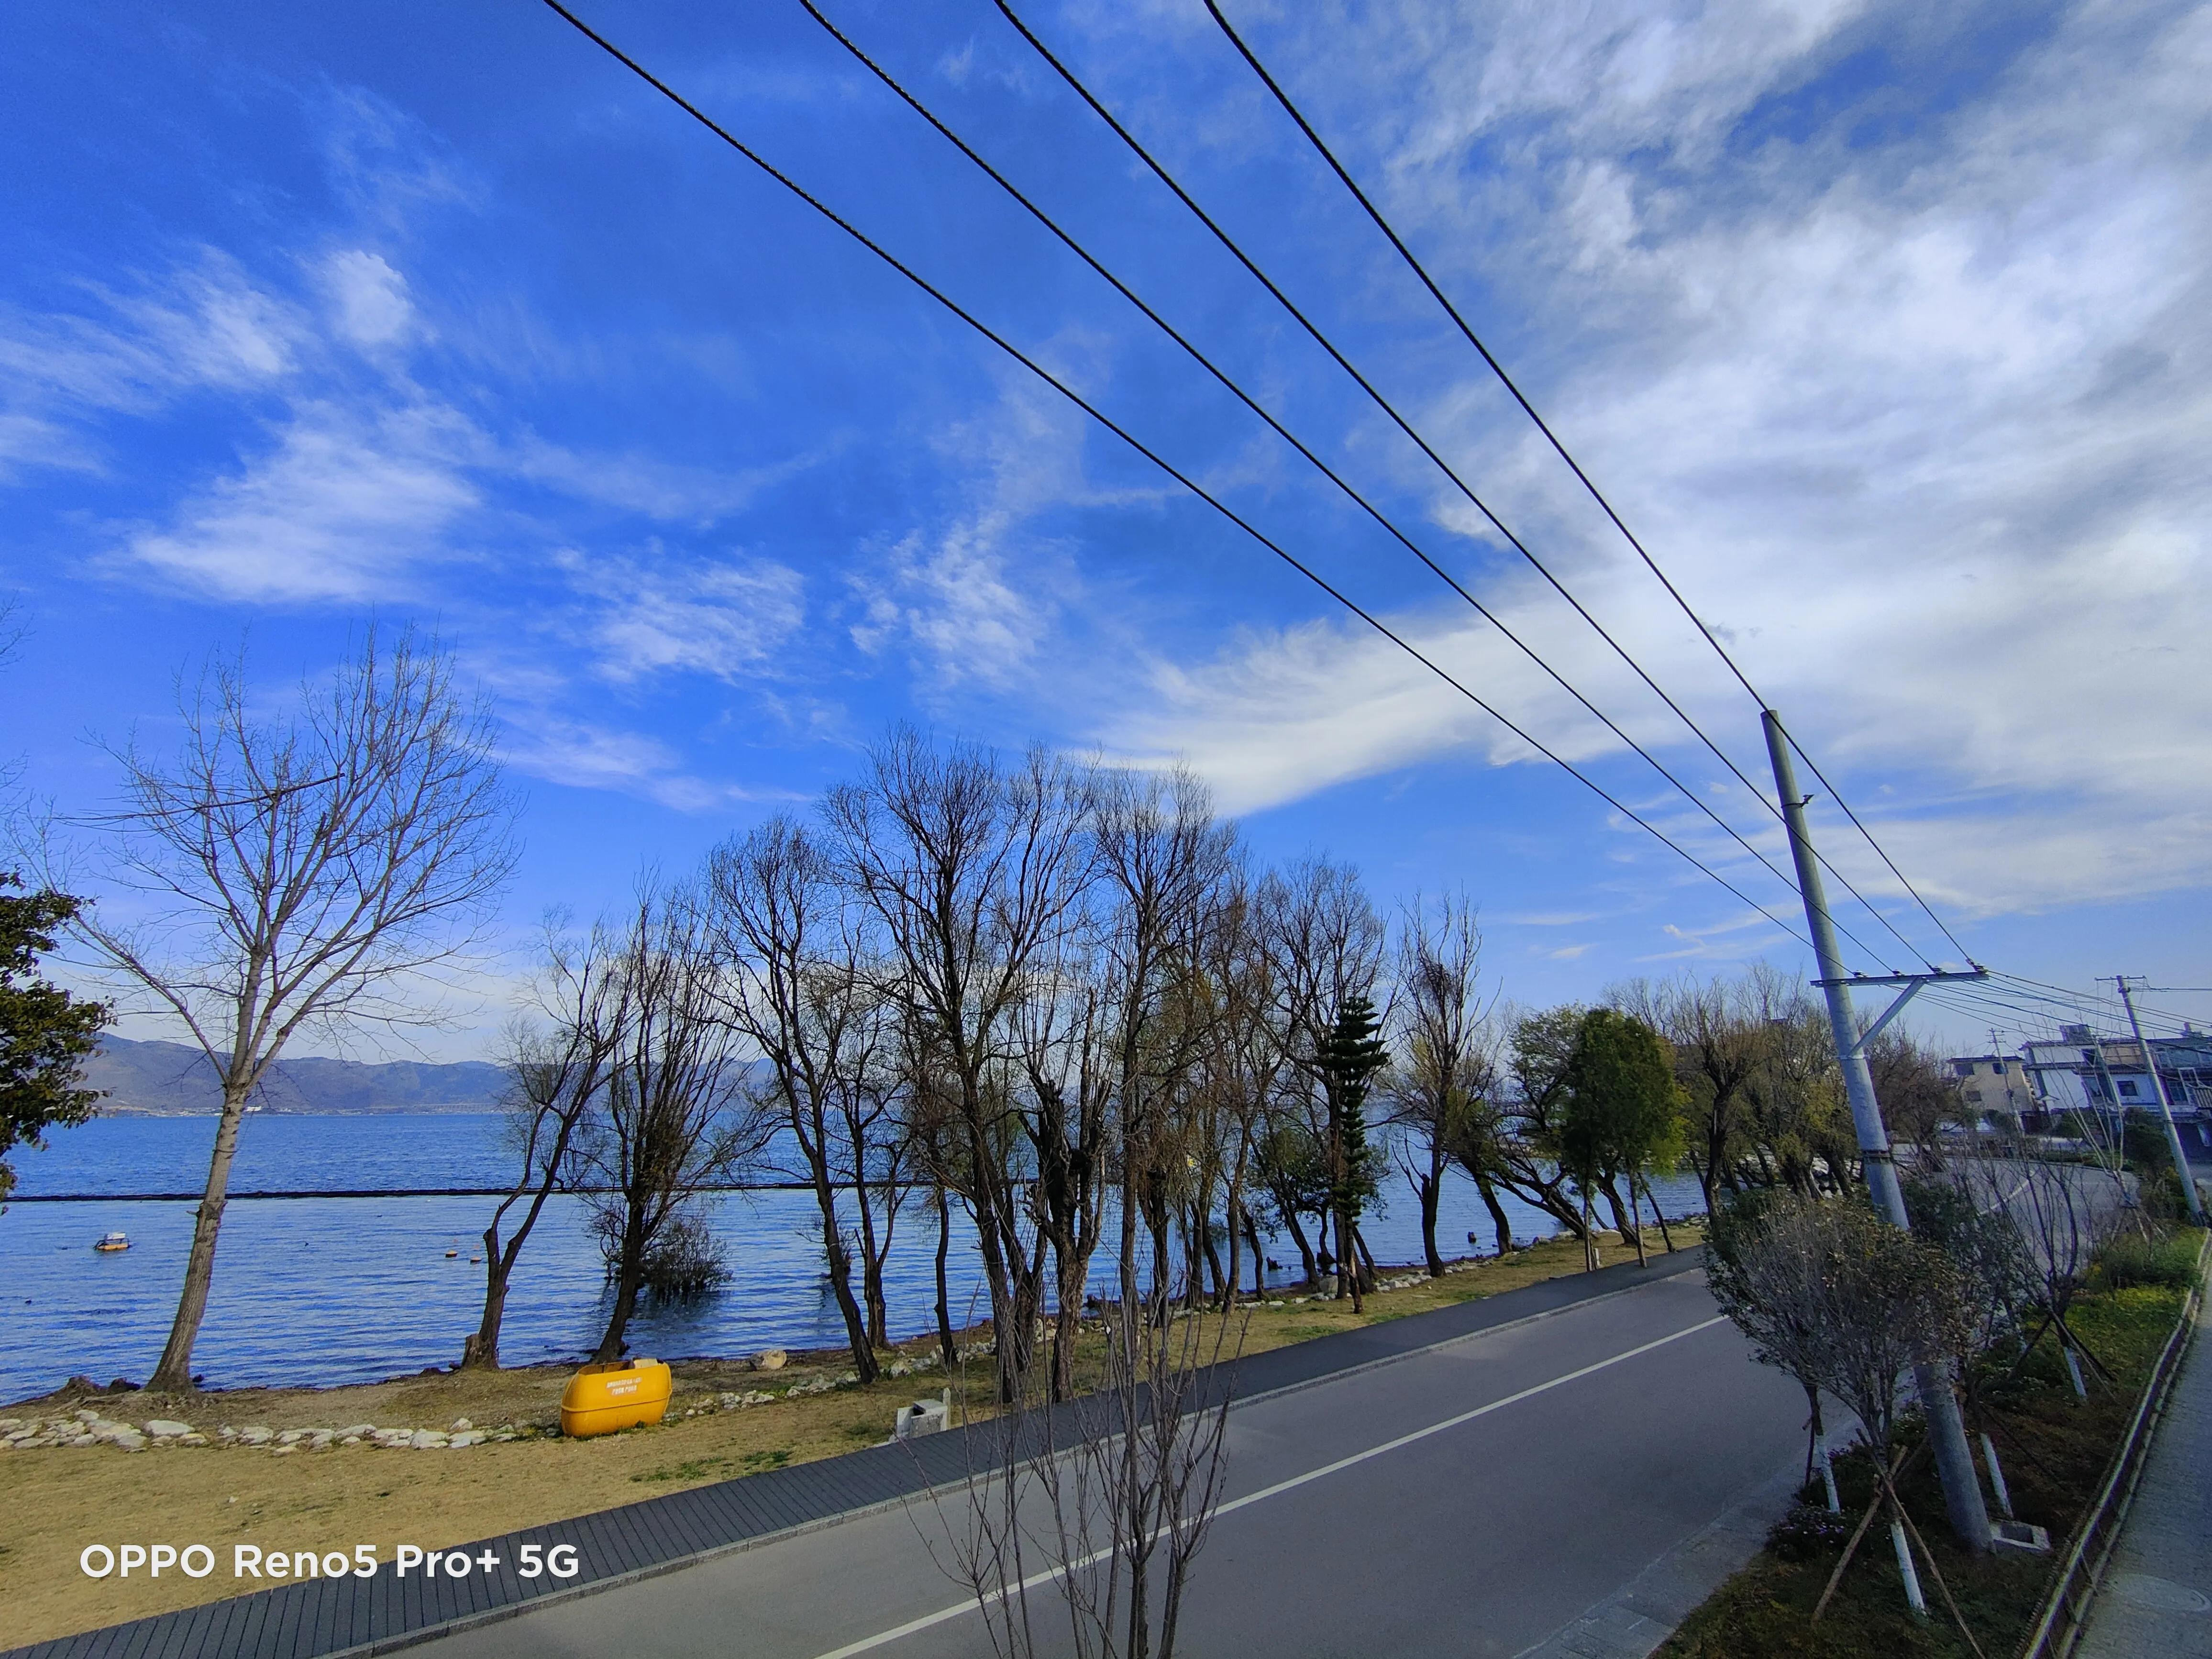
(1624, 1110)
(46, 1034)
(1351, 1054)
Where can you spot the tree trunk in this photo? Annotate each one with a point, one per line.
(872, 1267)
(480, 1350)
(629, 1280)
(1212, 1253)
(1636, 1218)
(1498, 1215)
(627, 1287)
(1305, 1249)
(1161, 1284)
(1370, 1274)
(1259, 1257)
(174, 1374)
(1660, 1216)
(1432, 1191)
(1232, 1222)
(1348, 1270)
(1621, 1224)
(840, 1263)
(1067, 1316)
(944, 1343)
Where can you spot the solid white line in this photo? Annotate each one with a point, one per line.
(883, 1638)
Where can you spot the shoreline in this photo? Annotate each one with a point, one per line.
(79, 1391)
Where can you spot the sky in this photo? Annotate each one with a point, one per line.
(1885, 328)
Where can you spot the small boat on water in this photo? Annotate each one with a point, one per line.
(113, 1242)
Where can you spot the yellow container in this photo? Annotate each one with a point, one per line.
(601, 1399)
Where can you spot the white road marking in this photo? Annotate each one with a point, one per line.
(883, 1638)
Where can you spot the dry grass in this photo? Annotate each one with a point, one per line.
(61, 1499)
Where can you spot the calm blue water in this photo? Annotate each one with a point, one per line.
(324, 1290)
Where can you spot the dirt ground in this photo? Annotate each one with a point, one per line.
(60, 1499)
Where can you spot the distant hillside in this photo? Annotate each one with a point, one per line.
(169, 1078)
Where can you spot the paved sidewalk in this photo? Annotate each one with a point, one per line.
(2156, 1597)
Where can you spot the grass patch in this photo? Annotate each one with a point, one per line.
(2055, 1449)
(697, 1468)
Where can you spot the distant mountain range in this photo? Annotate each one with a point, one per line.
(169, 1079)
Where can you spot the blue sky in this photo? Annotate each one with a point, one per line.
(1888, 333)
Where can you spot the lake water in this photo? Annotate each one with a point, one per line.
(334, 1290)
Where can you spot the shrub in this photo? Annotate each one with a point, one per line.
(1807, 1531)
(685, 1263)
(2169, 1262)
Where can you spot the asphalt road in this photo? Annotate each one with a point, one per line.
(1471, 1499)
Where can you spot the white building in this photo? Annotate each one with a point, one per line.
(1996, 1083)
(2082, 1071)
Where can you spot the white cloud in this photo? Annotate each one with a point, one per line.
(659, 489)
(204, 325)
(731, 619)
(587, 754)
(368, 299)
(956, 601)
(341, 509)
(976, 601)
(1919, 425)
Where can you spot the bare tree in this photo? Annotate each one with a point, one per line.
(1920, 1098)
(1512, 1141)
(286, 871)
(1325, 941)
(557, 1069)
(1064, 1030)
(1718, 1030)
(1832, 1294)
(1117, 1489)
(801, 991)
(2065, 1214)
(679, 1117)
(1162, 857)
(1797, 1128)
(971, 869)
(1241, 1067)
(1443, 1076)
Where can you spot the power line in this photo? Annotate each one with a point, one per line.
(2096, 1002)
(1130, 439)
(1152, 315)
(1374, 395)
(2050, 1004)
(1836, 795)
(1497, 369)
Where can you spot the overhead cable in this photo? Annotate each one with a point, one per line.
(1390, 411)
(1152, 315)
(1836, 795)
(1149, 454)
(1505, 379)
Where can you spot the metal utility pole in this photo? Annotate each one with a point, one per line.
(2164, 1108)
(1947, 1430)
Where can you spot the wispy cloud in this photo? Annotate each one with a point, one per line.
(590, 755)
(731, 618)
(338, 510)
(1916, 423)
